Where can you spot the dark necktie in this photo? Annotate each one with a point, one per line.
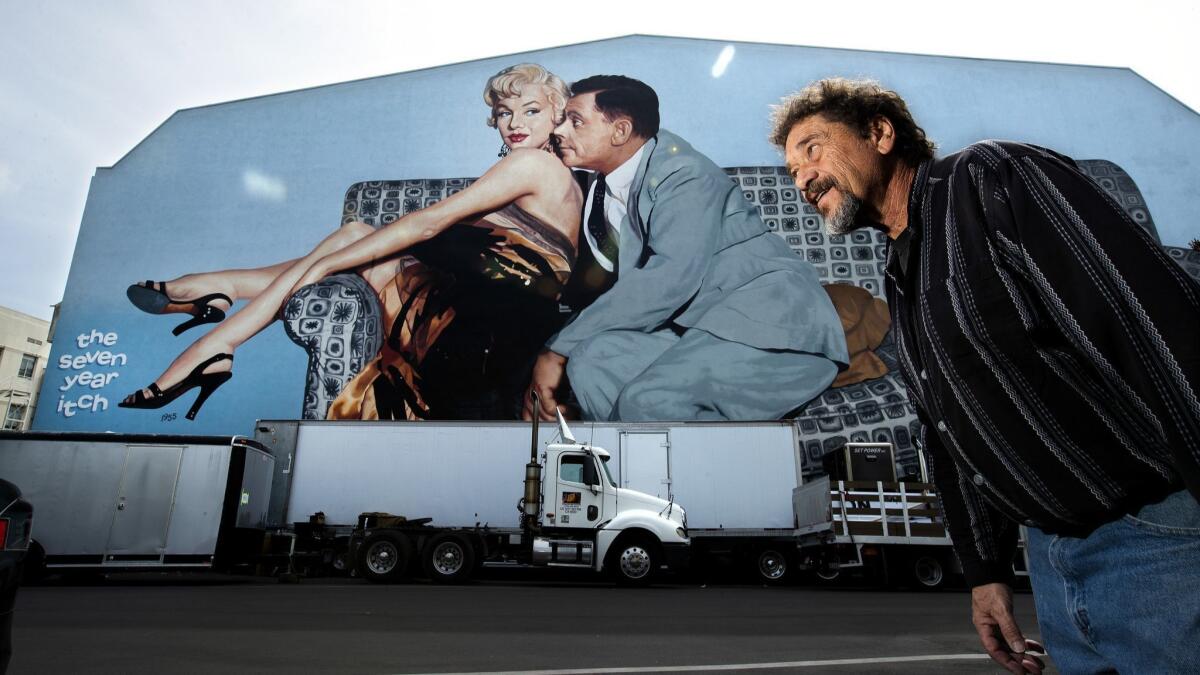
(597, 224)
(604, 236)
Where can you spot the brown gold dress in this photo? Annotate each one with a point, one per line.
(466, 317)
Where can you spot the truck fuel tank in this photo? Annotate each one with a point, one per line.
(566, 552)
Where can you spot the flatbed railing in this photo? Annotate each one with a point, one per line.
(879, 509)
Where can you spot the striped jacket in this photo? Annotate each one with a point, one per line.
(1050, 346)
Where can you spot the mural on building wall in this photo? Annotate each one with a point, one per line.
(434, 297)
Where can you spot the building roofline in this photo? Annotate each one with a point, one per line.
(18, 314)
(642, 35)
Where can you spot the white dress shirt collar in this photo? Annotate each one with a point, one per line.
(616, 188)
(621, 179)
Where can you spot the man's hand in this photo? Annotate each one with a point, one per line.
(549, 375)
(991, 612)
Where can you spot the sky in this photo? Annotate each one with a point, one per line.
(82, 82)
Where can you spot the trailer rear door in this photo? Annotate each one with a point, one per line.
(143, 509)
(645, 462)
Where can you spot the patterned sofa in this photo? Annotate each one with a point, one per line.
(338, 320)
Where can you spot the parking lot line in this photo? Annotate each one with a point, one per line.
(731, 666)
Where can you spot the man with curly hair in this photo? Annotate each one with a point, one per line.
(1050, 348)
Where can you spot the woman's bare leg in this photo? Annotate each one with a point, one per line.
(259, 313)
(243, 284)
(238, 284)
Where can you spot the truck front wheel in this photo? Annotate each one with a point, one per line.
(449, 559)
(383, 557)
(634, 562)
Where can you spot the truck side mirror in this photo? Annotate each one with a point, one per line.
(590, 477)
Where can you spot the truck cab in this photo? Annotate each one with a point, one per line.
(587, 520)
(572, 513)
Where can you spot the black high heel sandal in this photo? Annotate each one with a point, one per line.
(208, 383)
(154, 300)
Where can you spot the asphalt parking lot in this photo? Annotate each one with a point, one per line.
(153, 623)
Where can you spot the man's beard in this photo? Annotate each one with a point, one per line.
(845, 219)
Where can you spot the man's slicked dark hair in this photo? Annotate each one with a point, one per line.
(617, 95)
(854, 103)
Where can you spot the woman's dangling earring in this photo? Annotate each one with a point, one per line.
(503, 151)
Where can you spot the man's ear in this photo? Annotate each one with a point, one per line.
(622, 131)
(882, 135)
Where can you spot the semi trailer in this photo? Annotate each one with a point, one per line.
(447, 499)
(123, 501)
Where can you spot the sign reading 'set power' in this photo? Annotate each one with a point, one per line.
(862, 461)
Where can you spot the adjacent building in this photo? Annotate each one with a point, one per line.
(24, 349)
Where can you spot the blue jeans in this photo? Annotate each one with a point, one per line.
(1126, 598)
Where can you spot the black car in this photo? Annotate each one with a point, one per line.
(16, 524)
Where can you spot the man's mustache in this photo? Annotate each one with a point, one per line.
(819, 186)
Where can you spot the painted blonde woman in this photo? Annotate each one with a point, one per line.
(469, 285)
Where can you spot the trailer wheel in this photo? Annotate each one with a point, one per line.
(827, 575)
(383, 557)
(771, 565)
(449, 559)
(633, 562)
(928, 570)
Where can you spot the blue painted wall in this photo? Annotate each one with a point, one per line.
(250, 182)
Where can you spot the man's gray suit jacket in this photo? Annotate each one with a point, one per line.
(694, 252)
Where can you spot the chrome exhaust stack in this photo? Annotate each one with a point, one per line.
(531, 503)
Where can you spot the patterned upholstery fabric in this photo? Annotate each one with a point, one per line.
(381, 202)
(338, 322)
(1188, 259)
(873, 411)
(1117, 183)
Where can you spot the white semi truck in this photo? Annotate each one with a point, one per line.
(743, 485)
(447, 498)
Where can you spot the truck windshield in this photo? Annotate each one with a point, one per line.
(608, 472)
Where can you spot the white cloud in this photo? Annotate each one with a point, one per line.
(260, 185)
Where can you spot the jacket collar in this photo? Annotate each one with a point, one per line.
(916, 200)
(636, 205)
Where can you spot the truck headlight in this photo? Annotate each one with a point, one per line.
(681, 532)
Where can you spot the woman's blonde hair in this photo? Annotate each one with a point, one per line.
(510, 81)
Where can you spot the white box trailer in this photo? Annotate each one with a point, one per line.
(120, 501)
(733, 478)
(417, 469)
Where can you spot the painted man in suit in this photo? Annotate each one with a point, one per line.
(700, 313)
